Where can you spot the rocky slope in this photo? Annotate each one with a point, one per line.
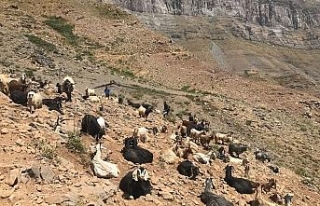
(96, 43)
(281, 18)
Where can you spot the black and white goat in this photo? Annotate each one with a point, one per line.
(93, 126)
(242, 186)
(187, 168)
(67, 87)
(136, 183)
(210, 199)
(133, 104)
(132, 152)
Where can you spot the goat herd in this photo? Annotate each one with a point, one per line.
(189, 135)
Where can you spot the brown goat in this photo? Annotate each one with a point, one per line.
(268, 186)
(16, 85)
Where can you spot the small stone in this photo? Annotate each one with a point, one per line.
(46, 174)
(13, 177)
(39, 188)
(39, 200)
(20, 142)
(6, 193)
(34, 171)
(4, 131)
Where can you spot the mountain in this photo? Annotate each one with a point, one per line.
(276, 40)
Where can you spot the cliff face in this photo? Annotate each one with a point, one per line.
(276, 18)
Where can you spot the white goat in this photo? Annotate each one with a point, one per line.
(141, 133)
(90, 92)
(34, 101)
(195, 134)
(102, 168)
(204, 158)
(94, 99)
(221, 138)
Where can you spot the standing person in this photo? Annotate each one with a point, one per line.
(166, 109)
(107, 92)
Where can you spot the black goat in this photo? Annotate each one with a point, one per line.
(90, 125)
(132, 152)
(187, 168)
(134, 105)
(19, 97)
(145, 105)
(237, 148)
(210, 199)
(242, 186)
(136, 183)
(54, 104)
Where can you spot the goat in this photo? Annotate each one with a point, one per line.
(205, 140)
(134, 105)
(237, 148)
(210, 199)
(246, 171)
(187, 168)
(267, 186)
(221, 138)
(164, 129)
(94, 99)
(101, 168)
(259, 201)
(242, 186)
(16, 85)
(34, 101)
(204, 158)
(288, 199)
(91, 126)
(136, 183)
(132, 152)
(67, 87)
(183, 130)
(274, 169)
(155, 130)
(53, 104)
(90, 92)
(195, 134)
(262, 155)
(19, 97)
(141, 133)
(143, 112)
(203, 125)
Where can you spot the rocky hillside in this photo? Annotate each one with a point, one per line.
(274, 39)
(98, 42)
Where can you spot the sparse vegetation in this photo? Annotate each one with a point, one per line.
(111, 12)
(47, 151)
(75, 144)
(188, 89)
(41, 43)
(62, 27)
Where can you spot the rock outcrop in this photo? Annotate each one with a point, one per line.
(272, 21)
